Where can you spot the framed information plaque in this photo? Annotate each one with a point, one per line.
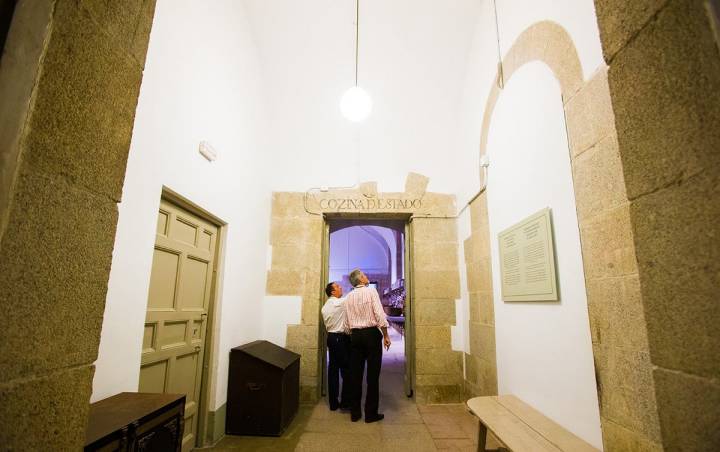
(527, 260)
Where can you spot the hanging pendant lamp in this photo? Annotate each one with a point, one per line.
(356, 104)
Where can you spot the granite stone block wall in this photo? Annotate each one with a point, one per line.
(617, 324)
(664, 82)
(480, 363)
(435, 287)
(62, 179)
(621, 348)
(296, 240)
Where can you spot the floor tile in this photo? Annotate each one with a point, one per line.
(406, 427)
(463, 445)
(445, 431)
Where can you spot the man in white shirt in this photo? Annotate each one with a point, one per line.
(338, 342)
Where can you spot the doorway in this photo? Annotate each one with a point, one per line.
(379, 247)
(176, 343)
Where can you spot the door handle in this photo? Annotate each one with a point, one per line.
(198, 348)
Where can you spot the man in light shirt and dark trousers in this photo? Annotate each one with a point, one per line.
(366, 319)
(338, 342)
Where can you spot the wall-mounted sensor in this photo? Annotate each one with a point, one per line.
(207, 151)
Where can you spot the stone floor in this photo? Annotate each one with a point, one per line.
(406, 426)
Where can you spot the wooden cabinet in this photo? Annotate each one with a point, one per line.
(132, 421)
(263, 389)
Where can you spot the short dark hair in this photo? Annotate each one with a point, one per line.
(329, 288)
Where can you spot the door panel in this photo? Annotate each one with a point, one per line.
(205, 241)
(173, 334)
(197, 331)
(178, 302)
(194, 284)
(185, 231)
(163, 279)
(163, 218)
(149, 338)
(184, 376)
(152, 377)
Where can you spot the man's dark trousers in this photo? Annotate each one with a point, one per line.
(366, 347)
(339, 349)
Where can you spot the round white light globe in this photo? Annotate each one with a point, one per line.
(355, 104)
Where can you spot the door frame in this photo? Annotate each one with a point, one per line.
(208, 374)
(409, 326)
(322, 332)
(407, 270)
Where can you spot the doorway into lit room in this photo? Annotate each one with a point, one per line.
(377, 247)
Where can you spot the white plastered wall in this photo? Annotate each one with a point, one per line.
(217, 71)
(544, 353)
(201, 82)
(268, 102)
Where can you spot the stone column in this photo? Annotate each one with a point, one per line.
(296, 239)
(65, 167)
(617, 323)
(664, 81)
(481, 362)
(435, 287)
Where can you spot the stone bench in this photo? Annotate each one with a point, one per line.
(521, 427)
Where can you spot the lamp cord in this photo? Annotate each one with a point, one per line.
(357, 37)
(501, 76)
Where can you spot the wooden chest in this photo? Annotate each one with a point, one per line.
(132, 421)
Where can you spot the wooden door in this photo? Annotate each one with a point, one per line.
(178, 301)
(409, 314)
(324, 275)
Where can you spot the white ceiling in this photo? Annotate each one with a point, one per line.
(312, 41)
(413, 56)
